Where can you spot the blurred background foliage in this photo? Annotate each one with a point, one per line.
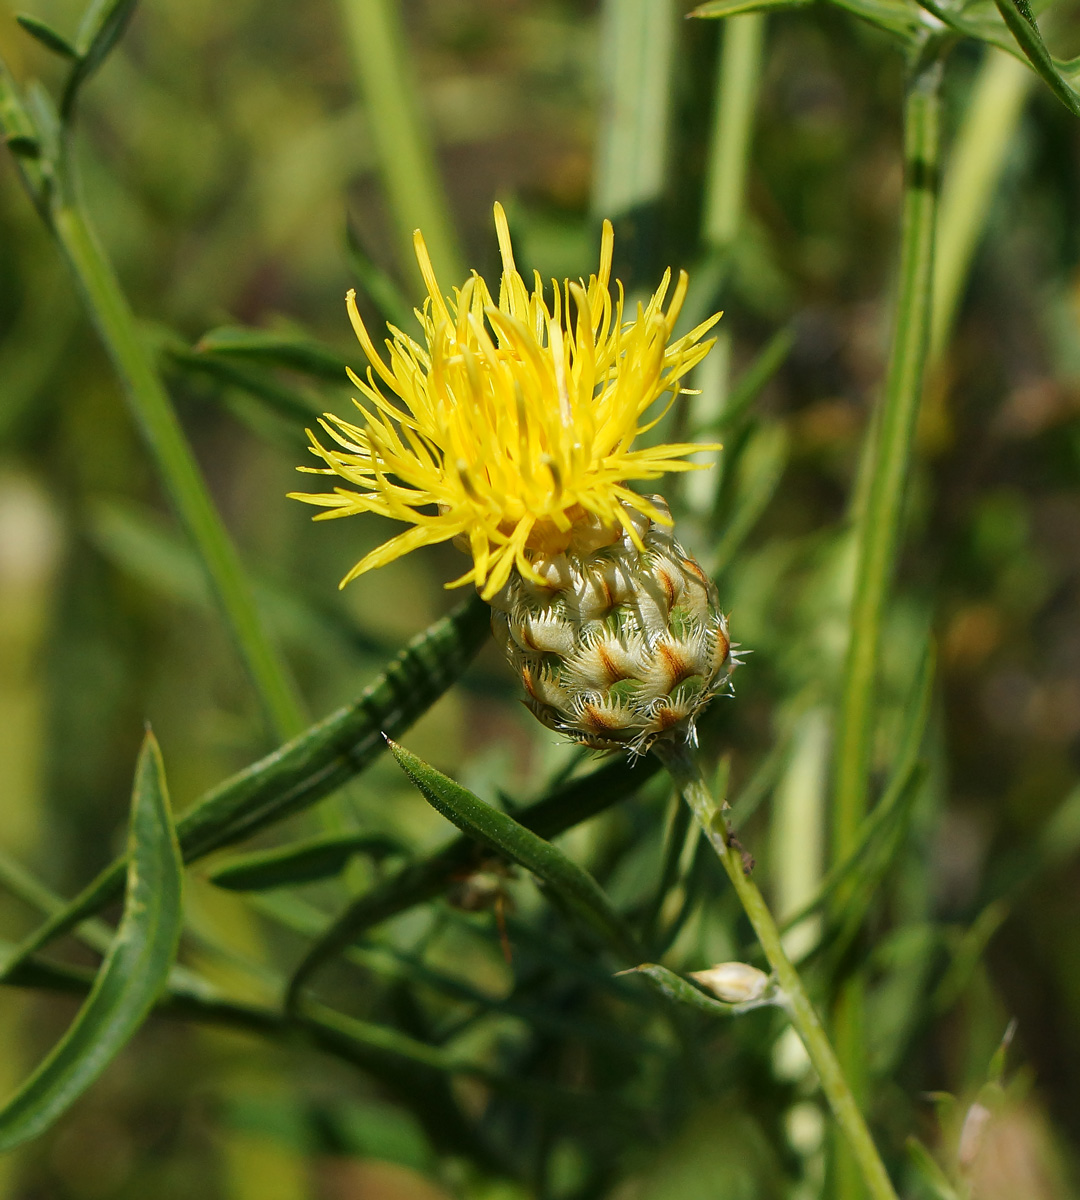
(239, 165)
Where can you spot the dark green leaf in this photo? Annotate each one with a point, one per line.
(134, 971)
(46, 35)
(102, 26)
(288, 402)
(274, 349)
(23, 146)
(311, 766)
(566, 806)
(507, 837)
(302, 862)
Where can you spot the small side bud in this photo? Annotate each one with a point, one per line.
(734, 982)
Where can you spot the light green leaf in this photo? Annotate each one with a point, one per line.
(134, 971)
(733, 8)
(571, 883)
(301, 862)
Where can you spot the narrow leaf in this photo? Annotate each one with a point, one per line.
(416, 883)
(311, 766)
(734, 8)
(674, 987)
(1018, 16)
(134, 971)
(302, 862)
(508, 837)
(274, 349)
(929, 1172)
(102, 26)
(46, 35)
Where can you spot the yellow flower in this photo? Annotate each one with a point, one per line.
(514, 422)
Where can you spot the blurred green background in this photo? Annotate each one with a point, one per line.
(235, 165)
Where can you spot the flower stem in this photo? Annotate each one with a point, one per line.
(687, 775)
(878, 523)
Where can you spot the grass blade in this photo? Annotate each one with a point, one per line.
(134, 971)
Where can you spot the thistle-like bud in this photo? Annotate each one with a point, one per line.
(621, 643)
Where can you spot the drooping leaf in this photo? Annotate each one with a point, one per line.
(134, 971)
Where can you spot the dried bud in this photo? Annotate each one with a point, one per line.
(734, 982)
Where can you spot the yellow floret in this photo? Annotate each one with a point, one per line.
(514, 422)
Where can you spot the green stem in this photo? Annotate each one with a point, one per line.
(414, 189)
(878, 523)
(739, 76)
(687, 775)
(115, 322)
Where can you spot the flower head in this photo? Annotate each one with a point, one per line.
(515, 421)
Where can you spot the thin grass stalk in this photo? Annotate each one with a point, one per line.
(112, 317)
(976, 161)
(416, 196)
(738, 80)
(796, 1002)
(877, 532)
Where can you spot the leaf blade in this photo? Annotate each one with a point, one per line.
(134, 971)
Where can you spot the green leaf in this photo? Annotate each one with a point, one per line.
(929, 1172)
(102, 25)
(46, 35)
(575, 886)
(1057, 74)
(134, 971)
(301, 862)
(285, 401)
(311, 766)
(23, 146)
(293, 351)
(416, 883)
(682, 991)
(734, 8)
